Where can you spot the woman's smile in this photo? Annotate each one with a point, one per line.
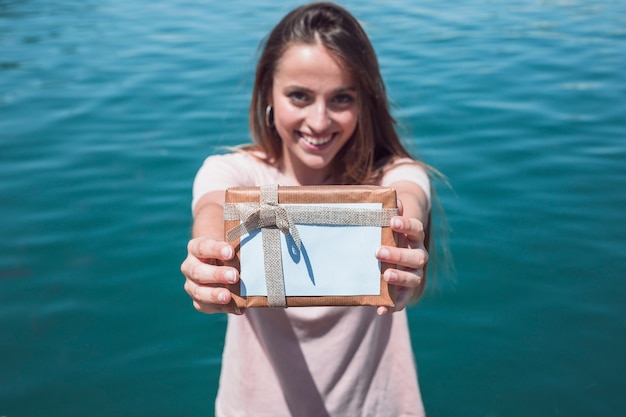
(316, 141)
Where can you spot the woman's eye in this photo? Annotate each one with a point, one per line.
(343, 99)
(297, 96)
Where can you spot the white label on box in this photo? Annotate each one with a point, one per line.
(334, 260)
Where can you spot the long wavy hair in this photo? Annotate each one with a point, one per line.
(375, 142)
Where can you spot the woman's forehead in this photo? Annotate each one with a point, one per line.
(311, 64)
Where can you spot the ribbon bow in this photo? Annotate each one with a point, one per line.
(265, 215)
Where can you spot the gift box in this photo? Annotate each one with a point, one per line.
(309, 245)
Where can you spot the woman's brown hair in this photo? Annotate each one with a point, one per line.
(375, 141)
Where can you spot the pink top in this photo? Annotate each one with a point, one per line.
(312, 361)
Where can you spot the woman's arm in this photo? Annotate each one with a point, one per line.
(204, 268)
(206, 275)
(411, 255)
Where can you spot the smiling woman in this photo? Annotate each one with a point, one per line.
(319, 116)
(108, 108)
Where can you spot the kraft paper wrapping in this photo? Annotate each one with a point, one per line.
(317, 195)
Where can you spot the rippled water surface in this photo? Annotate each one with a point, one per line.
(107, 109)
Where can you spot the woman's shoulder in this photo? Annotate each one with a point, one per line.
(237, 156)
(407, 169)
(404, 166)
(237, 168)
(239, 163)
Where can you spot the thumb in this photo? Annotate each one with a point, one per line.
(400, 207)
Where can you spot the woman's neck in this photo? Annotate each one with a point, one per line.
(305, 175)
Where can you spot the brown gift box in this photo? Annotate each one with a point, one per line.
(315, 195)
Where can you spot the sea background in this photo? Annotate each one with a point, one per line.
(108, 107)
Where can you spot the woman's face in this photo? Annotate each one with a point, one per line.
(315, 110)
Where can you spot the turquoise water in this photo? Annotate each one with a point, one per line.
(107, 109)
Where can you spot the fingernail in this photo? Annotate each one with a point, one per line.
(383, 253)
(222, 297)
(392, 276)
(230, 276)
(227, 252)
(396, 223)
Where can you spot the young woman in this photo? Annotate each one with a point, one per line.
(319, 115)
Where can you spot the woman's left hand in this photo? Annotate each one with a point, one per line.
(410, 258)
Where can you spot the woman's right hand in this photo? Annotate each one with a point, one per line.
(206, 276)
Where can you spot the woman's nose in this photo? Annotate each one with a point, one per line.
(318, 118)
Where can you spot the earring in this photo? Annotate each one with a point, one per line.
(268, 117)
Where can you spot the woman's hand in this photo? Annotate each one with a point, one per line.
(410, 258)
(206, 275)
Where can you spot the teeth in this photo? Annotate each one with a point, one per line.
(317, 141)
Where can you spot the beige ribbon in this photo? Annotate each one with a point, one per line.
(273, 218)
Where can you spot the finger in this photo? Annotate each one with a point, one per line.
(408, 258)
(207, 248)
(412, 228)
(410, 279)
(204, 273)
(382, 310)
(403, 295)
(211, 299)
(231, 308)
(207, 294)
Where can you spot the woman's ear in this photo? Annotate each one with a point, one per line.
(269, 116)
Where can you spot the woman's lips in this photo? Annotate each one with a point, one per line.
(317, 141)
